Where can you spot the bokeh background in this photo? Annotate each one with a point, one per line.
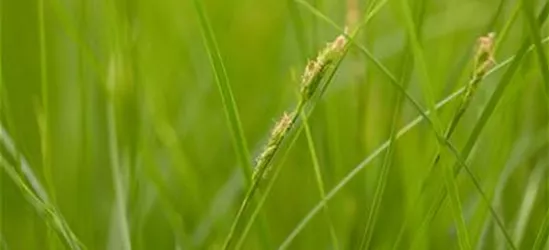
(117, 124)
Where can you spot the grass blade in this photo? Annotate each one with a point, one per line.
(119, 182)
(375, 154)
(463, 235)
(387, 161)
(44, 115)
(318, 177)
(528, 201)
(35, 194)
(487, 112)
(224, 86)
(534, 29)
(267, 191)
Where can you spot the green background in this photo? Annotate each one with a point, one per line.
(113, 106)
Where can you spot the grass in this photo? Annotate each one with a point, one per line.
(175, 125)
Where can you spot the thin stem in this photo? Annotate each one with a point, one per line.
(318, 178)
(377, 152)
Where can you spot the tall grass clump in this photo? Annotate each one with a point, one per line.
(203, 125)
(312, 77)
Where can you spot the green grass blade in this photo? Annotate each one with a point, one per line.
(301, 225)
(2, 243)
(463, 235)
(318, 177)
(528, 201)
(456, 118)
(489, 109)
(394, 82)
(420, 61)
(541, 237)
(498, 93)
(387, 161)
(42, 206)
(267, 191)
(120, 206)
(534, 29)
(381, 183)
(223, 84)
(44, 119)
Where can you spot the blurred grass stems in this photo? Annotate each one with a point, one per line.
(424, 77)
(270, 185)
(225, 90)
(423, 116)
(534, 31)
(227, 97)
(2, 243)
(119, 182)
(404, 80)
(35, 194)
(381, 184)
(500, 38)
(318, 178)
(43, 115)
(449, 181)
(51, 215)
(528, 201)
(443, 141)
(372, 8)
(484, 59)
(487, 112)
(525, 149)
(312, 77)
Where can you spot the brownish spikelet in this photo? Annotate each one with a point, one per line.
(484, 59)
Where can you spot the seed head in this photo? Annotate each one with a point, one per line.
(484, 58)
(315, 68)
(277, 135)
(282, 126)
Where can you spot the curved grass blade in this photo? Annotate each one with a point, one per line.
(301, 106)
(318, 177)
(457, 117)
(463, 235)
(387, 161)
(528, 201)
(313, 87)
(534, 29)
(120, 207)
(1, 134)
(224, 86)
(375, 154)
(267, 191)
(541, 238)
(442, 140)
(44, 123)
(486, 114)
(524, 149)
(43, 206)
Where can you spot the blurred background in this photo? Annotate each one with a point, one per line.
(113, 130)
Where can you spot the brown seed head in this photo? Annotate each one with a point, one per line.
(484, 59)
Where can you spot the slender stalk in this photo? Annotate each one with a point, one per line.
(44, 114)
(1, 134)
(312, 78)
(488, 110)
(318, 178)
(116, 166)
(383, 147)
(387, 161)
(270, 185)
(277, 137)
(225, 90)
